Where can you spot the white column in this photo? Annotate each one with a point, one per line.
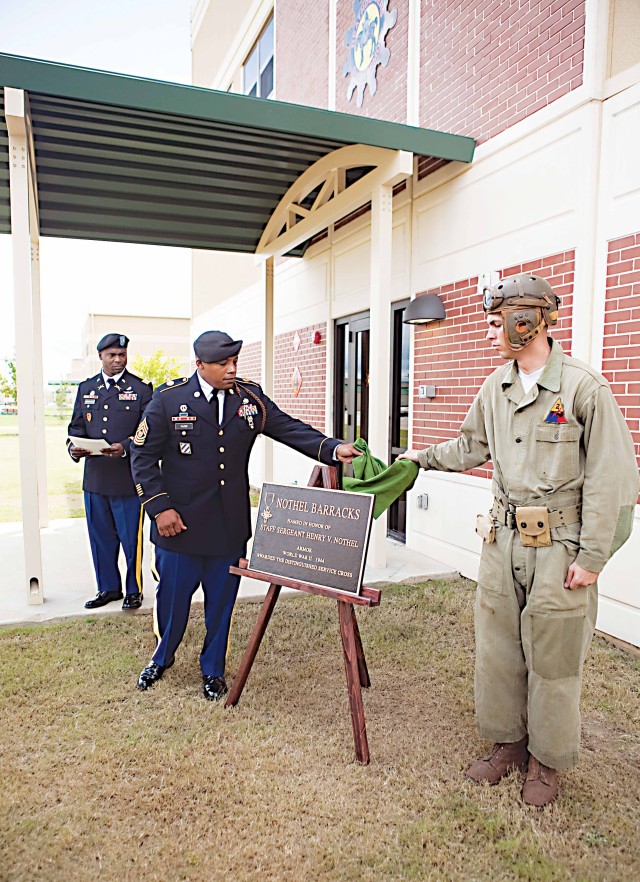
(380, 347)
(24, 234)
(267, 360)
(36, 318)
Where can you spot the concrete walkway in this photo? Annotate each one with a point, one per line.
(69, 580)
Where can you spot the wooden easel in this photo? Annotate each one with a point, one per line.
(354, 661)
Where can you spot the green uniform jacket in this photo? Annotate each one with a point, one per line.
(564, 442)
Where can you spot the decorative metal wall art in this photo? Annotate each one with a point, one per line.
(365, 41)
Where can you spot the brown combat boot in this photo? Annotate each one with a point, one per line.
(503, 758)
(541, 786)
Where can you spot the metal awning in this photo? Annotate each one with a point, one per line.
(91, 155)
(127, 159)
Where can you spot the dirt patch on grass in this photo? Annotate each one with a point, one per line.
(104, 782)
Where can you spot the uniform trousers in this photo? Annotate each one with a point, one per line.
(532, 636)
(180, 575)
(115, 521)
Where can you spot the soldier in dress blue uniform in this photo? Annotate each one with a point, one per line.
(189, 462)
(110, 406)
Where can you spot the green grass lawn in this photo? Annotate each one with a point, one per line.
(101, 781)
(64, 477)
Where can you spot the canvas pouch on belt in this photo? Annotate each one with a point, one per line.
(532, 522)
(485, 528)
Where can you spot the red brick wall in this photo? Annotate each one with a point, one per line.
(390, 100)
(250, 362)
(621, 346)
(484, 66)
(454, 356)
(311, 360)
(302, 52)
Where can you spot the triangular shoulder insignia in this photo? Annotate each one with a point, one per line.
(136, 378)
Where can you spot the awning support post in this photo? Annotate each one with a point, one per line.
(26, 274)
(267, 360)
(380, 346)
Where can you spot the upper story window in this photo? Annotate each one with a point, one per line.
(257, 71)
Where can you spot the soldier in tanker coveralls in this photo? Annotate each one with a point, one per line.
(189, 462)
(109, 406)
(565, 484)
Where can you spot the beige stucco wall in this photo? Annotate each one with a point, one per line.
(216, 32)
(625, 35)
(146, 334)
(218, 276)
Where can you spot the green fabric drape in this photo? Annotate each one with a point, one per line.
(386, 483)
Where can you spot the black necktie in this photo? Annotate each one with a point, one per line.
(111, 382)
(213, 401)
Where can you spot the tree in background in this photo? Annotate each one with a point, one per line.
(157, 369)
(8, 380)
(62, 401)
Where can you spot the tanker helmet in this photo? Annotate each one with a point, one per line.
(527, 304)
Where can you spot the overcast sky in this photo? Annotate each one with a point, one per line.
(141, 37)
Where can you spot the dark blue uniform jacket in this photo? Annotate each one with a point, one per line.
(182, 459)
(112, 414)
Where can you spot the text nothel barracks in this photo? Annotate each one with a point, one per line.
(331, 511)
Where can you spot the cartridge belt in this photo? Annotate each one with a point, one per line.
(505, 514)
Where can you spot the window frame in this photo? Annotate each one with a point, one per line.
(262, 63)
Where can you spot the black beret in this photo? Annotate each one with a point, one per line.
(119, 341)
(216, 346)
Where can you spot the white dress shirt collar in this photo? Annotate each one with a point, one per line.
(117, 378)
(208, 392)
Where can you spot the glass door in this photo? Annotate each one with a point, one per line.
(352, 377)
(399, 412)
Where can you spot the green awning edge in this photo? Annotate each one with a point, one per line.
(121, 90)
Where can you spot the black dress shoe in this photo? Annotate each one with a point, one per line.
(132, 601)
(151, 674)
(102, 598)
(214, 688)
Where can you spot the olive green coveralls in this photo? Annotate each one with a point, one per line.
(563, 445)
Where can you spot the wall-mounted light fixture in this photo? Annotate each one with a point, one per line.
(424, 308)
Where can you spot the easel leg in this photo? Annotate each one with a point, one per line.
(251, 651)
(365, 682)
(352, 670)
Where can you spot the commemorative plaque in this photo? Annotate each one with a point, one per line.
(313, 535)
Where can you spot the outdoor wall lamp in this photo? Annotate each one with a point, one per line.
(424, 308)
